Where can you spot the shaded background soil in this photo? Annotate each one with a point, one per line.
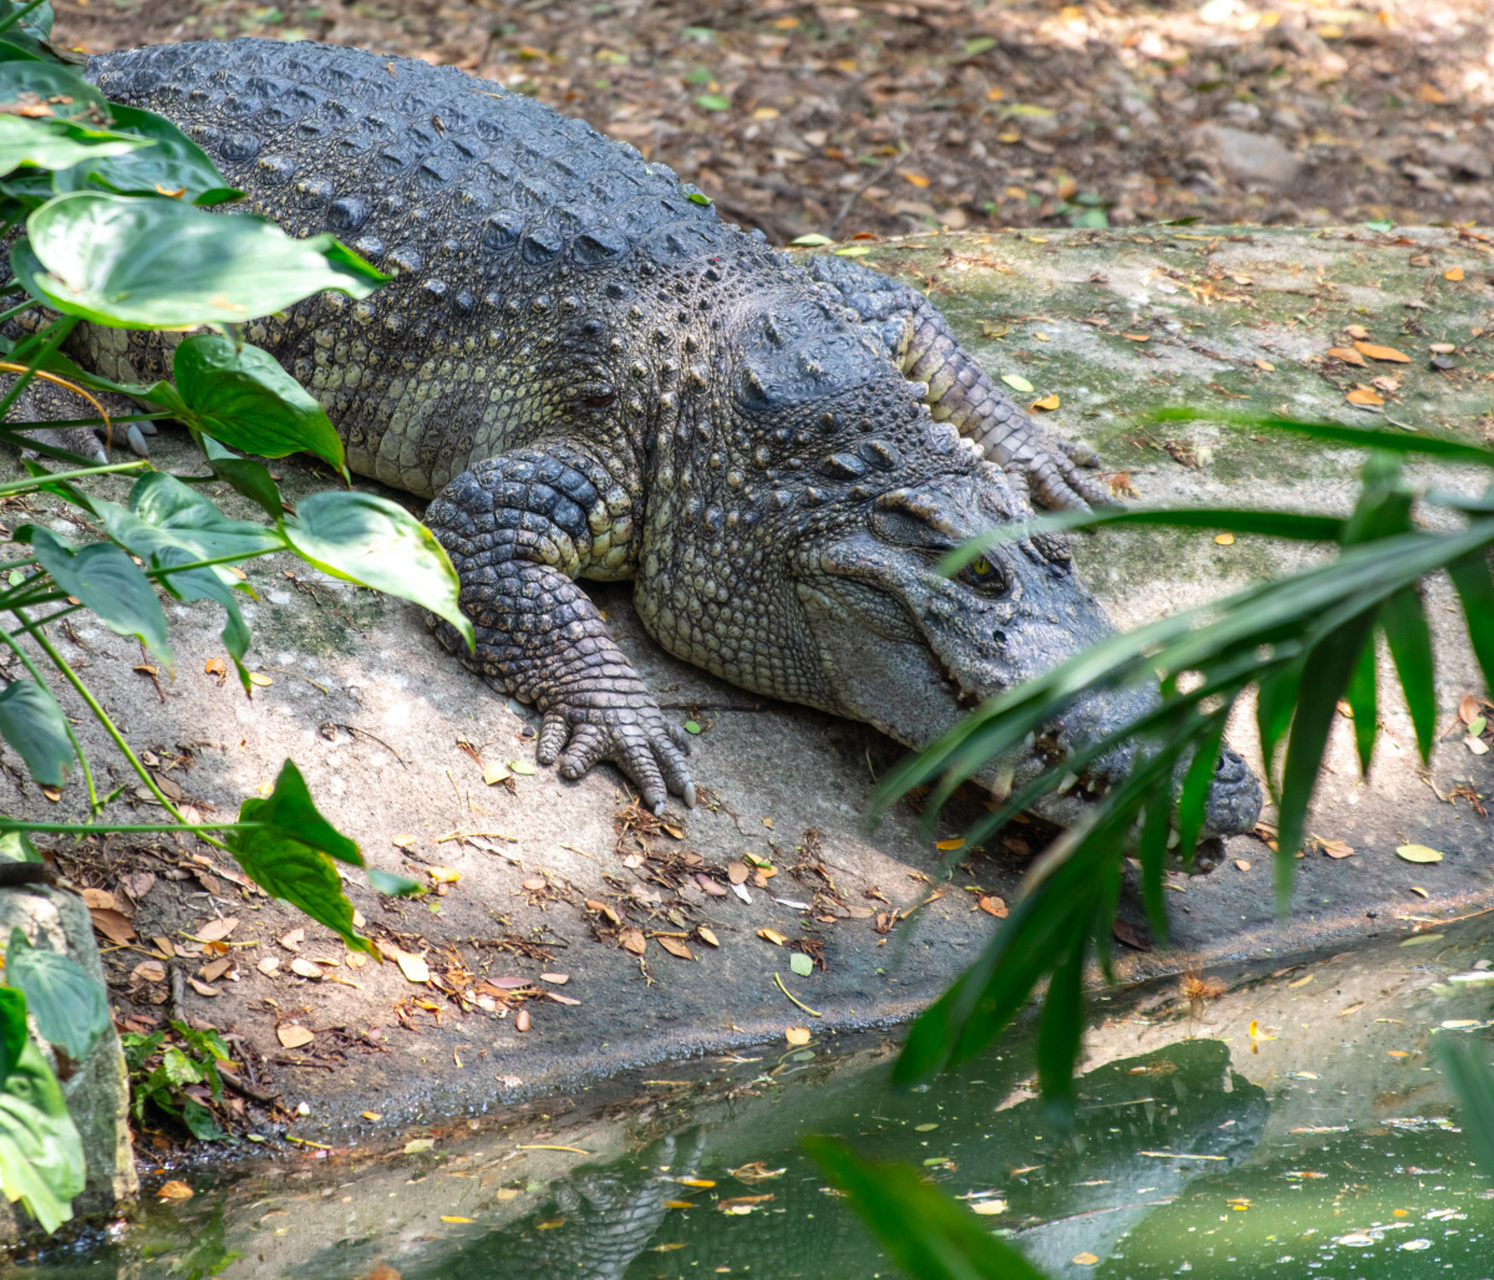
(903, 115)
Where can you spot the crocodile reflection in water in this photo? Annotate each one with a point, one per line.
(1075, 1194)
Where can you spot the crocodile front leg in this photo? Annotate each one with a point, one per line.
(920, 342)
(520, 528)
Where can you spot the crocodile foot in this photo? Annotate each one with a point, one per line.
(635, 737)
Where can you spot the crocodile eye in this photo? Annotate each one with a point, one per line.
(983, 572)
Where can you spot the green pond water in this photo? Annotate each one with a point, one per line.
(1296, 1126)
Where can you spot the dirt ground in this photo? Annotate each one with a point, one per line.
(897, 116)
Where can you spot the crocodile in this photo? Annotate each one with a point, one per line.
(591, 376)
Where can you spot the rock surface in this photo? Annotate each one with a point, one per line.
(394, 738)
(96, 1090)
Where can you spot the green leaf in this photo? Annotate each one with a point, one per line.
(1017, 383)
(1472, 1084)
(1381, 225)
(70, 1007)
(177, 514)
(713, 102)
(386, 882)
(813, 240)
(700, 197)
(200, 1122)
(1060, 1032)
(16, 846)
(242, 397)
(692, 726)
(252, 479)
(1152, 854)
(376, 542)
(13, 1030)
(58, 144)
(151, 262)
(41, 1154)
(180, 1069)
(1363, 700)
(1325, 676)
(801, 964)
(1410, 643)
(34, 19)
(107, 581)
(53, 82)
(928, 1234)
(288, 857)
(1195, 790)
(291, 808)
(1274, 704)
(1470, 575)
(979, 44)
(1359, 437)
(169, 163)
(32, 723)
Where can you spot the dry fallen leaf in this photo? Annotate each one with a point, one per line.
(1084, 1259)
(536, 884)
(443, 875)
(559, 979)
(1138, 337)
(175, 1190)
(521, 1021)
(917, 179)
(293, 1036)
(113, 926)
(796, 1035)
(292, 941)
(1225, 539)
(214, 667)
(773, 936)
(148, 971)
(1047, 402)
(1356, 331)
(1265, 364)
(413, 967)
(1243, 864)
(737, 872)
(217, 930)
(631, 939)
(993, 906)
(306, 969)
(1375, 352)
(1455, 274)
(1347, 354)
(706, 936)
(1364, 396)
(1337, 848)
(99, 900)
(495, 773)
(269, 964)
(675, 946)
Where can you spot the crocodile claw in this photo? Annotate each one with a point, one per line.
(637, 739)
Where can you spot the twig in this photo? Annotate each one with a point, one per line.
(795, 998)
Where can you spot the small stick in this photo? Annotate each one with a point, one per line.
(795, 999)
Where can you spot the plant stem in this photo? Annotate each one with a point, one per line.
(125, 828)
(93, 795)
(37, 482)
(158, 416)
(17, 309)
(110, 728)
(7, 23)
(54, 334)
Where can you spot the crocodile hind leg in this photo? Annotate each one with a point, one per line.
(520, 528)
(920, 342)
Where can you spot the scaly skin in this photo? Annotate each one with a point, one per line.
(596, 378)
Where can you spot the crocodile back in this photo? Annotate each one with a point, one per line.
(504, 223)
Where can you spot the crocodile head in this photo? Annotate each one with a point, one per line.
(849, 494)
(910, 650)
